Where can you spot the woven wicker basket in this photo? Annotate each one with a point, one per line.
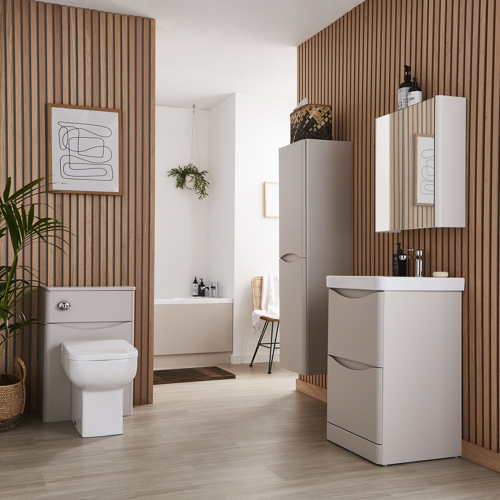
(312, 121)
(12, 396)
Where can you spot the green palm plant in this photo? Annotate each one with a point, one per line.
(20, 222)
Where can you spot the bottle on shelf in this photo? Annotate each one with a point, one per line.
(404, 89)
(415, 94)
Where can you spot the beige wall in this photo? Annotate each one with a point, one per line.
(64, 55)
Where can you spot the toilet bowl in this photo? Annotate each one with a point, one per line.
(98, 371)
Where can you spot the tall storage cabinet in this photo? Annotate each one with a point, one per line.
(316, 219)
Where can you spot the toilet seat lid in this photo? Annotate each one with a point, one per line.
(98, 350)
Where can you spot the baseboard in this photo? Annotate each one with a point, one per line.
(481, 456)
(312, 390)
(260, 358)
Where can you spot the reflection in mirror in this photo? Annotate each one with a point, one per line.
(411, 133)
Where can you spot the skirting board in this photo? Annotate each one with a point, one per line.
(311, 390)
(481, 456)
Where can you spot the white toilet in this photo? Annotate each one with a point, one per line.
(99, 370)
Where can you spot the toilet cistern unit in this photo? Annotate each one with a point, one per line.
(79, 317)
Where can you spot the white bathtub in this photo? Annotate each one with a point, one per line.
(192, 331)
(192, 300)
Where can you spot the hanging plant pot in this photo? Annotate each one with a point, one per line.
(189, 177)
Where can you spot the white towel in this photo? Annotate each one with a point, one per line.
(270, 302)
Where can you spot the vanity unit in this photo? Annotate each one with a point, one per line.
(394, 367)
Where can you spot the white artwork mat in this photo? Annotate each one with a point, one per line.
(85, 150)
(424, 170)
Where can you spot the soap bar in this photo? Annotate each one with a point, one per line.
(440, 274)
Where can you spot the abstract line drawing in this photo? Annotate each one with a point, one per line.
(426, 185)
(424, 170)
(85, 149)
(88, 156)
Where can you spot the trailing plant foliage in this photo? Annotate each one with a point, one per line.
(185, 174)
(19, 221)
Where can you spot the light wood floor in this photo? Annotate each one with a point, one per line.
(250, 438)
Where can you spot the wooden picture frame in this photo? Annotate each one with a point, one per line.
(424, 191)
(271, 199)
(85, 150)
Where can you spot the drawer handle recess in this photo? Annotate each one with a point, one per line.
(351, 365)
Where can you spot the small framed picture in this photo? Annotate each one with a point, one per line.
(271, 199)
(424, 169)
(84, 149)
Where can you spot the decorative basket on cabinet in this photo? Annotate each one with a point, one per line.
(312, 121)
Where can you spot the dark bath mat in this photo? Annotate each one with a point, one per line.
(190, 375)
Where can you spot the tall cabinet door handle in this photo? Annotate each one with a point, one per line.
(290, 257)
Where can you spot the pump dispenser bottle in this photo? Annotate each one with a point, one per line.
(415, 94)
(195, 288)
(399, 262)
(404, 89)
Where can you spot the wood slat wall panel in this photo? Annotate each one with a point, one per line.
(453, 48)
(66, 55)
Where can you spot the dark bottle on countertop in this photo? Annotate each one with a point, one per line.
(195, 288)
(201, 292)
(404, 88)
(399, 262)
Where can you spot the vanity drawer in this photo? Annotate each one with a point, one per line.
(356, 325)
(355, 398)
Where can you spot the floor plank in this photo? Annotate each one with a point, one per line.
(254, 437)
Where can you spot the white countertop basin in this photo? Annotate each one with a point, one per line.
(393, 283)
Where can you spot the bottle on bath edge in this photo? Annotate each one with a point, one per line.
(201, 288)
(195, 288)
(404, 89)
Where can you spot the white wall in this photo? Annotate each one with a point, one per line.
(182, 221)
(224, 237)
(222, 167)
(262, 127)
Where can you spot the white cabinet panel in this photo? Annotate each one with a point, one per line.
(293, 200)
(355, 398)
(356, 326)
(293, 341)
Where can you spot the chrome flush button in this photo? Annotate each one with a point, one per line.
(64, 306)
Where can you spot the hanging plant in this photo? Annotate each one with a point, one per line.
(190, 175)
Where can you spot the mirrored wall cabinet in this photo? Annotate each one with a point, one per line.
(420, 166)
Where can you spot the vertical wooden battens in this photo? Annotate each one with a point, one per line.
(66, 55)
(453, 47)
